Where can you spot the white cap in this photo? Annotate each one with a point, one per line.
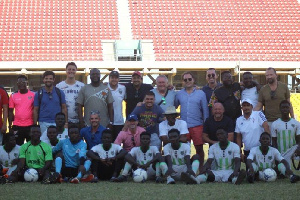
(248, 101)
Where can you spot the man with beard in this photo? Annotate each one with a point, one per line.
(95, 97)
(48, 101)
(271, 95)
(250, 88)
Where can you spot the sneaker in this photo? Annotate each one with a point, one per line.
(159, 179)
(94, 180)
(74, 180)
(170, 180)
(46, 181)
(240, 177)
(56, 178)
(112, 179)
(295, 178)
(188, 179)
(121, 178)
(88, 178)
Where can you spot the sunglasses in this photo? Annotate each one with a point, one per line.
(273, 94)
(211, 75)
(132, 140)
(187, 79)
(164, 100)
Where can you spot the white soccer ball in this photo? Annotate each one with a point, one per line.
(31, 175)
(139, 176)
(269, 175)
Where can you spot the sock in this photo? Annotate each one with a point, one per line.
(195, 166)
(282, 168)
(87, 165)
(157, 169)
(164, 168)
(201, 178)
(58, 164)
(126, 169)
(79, 175)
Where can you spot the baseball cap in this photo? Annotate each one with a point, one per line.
(114, 73)
(132, 117)
(248, 101)
(137, 73)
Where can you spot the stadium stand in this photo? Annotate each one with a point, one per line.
(42, 30)
(246, 30)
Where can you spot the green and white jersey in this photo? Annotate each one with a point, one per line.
(141, 157)
(286, 133)
(177, 156)
(7, 157)
(265, 161)
(103, 154)
(224, 158)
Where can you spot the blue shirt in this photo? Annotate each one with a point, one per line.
(72, 152)
(92, 139)
(50, 105)
(193, 107)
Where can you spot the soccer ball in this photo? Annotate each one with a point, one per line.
(31, 175)
(139, 176)
(269, 175)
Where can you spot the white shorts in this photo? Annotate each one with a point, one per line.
(222, 175)
(289, 154)
(178, 170)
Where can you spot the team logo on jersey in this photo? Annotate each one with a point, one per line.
(15, 155)
(66, 136)
(78, 150)
(270, 157)
(120, 91)
(293, 125)
(150, 154)
(112, 153)
(182, 153)
(29, 97)
(39, 153)
(229, 152)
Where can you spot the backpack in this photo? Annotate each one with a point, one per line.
(40, 96)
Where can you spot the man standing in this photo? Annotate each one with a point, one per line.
(271, 95)
(118, 92)
(215, 122)
(71, 88)
(212, 84)
(150, 115)
(163, 96)
(93, 134)
(249, 126)
(135, 91)
(95, 97)
(48, 101)
(193, 110)
(21, 103)
(172, 122)
(131, 137)
(251, 88)
(229, 95)
(4, 112)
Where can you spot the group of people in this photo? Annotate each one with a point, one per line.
(76, 132)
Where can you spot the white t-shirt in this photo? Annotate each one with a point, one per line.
(141, 157)
(119, 95)
(286, 133)
(250, 129)
(264, 161)
(71, 93)
(252, 94)
(7, 158)
(177, 156)
(103, 154)
(181, 125)
(224, 158)
(62, 136)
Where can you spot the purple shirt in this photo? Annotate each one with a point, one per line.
(193, 107)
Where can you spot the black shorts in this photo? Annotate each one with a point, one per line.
(69, 172)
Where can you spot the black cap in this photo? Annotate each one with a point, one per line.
(114, 73)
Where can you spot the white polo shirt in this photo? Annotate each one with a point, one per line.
(250, 129)
(119, 95)
(252, 94)
(181, 125)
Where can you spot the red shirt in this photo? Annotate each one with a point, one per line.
(3, 101)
